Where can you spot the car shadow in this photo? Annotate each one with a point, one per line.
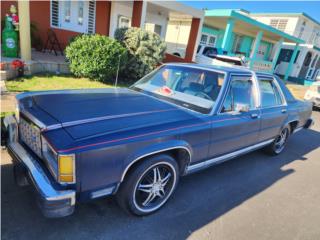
(200, 199)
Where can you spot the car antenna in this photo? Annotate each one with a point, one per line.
(116, 83)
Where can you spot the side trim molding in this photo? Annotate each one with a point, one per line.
(213, 161)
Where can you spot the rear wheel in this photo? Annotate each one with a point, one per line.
(149, 185)
(277, 146)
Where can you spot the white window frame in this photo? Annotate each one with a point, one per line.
(206, 43)
(120, 17)
(88, 25)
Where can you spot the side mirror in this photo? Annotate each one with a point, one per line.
(242, 107)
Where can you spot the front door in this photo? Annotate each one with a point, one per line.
(312, 68)
(305, 66)
(74, 15)
(273, 108)
(237, 123)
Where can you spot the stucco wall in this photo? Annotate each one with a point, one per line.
(177, 36)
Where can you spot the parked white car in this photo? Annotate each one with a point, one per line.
(313, 94)
(209, 55)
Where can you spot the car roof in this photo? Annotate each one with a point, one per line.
(233, 69)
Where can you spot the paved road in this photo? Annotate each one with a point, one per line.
(251, 197)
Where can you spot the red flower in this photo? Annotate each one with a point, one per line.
(17, 64)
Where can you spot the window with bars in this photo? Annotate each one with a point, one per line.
(204, 39)
(208, 40)
(77, 16)
(280, 24)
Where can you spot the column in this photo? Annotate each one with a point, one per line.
(226, 42)
(255, 49)
(139, 10)
(195, 24)
(24, 30)
(290, 66)
(276, 54)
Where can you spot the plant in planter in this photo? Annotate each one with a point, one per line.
(19, 66)
(3, 66)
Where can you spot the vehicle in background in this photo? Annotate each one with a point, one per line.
(313, 94)
(214, 56)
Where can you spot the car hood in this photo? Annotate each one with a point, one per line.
(87, 113)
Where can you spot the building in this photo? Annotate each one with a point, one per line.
(235, 33)
(307, 65)
(70, 18)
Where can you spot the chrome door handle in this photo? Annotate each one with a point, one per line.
(284, 110)
(254, 115)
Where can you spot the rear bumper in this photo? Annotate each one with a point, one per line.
(52, 202)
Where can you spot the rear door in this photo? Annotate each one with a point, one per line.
(273, 107)
(237, 122)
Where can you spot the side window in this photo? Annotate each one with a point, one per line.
(270, 95)
(240, 94)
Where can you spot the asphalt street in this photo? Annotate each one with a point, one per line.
(251, 197)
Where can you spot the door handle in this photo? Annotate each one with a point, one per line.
(254, 115)
(284, 110)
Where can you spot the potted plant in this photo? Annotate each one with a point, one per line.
(19, 66)
(3, 66)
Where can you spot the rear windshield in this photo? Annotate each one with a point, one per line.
(286, 92)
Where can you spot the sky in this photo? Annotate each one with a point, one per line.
(311, 8)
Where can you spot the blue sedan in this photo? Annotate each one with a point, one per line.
(78, 145)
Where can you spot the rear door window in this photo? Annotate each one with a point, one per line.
(269, 92)
(240, 93)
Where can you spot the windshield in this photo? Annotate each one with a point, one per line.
(193, 88)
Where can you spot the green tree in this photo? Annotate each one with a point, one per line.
(146, 51)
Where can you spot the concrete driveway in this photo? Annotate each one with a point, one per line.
(251, 197)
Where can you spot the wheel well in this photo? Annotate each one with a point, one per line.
(181, 155)
(176, 54)
(293, 125)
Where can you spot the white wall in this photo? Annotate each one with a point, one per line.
(119, 8)
(177, 36)
(294, 26)
(155, 18)
(309, 27)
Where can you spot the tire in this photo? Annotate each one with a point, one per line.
(277, 146)
(143, 192)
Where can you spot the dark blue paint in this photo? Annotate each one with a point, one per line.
(105, 148)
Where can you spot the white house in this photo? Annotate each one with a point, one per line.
(306, 67)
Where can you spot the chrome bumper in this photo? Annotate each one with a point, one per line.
(53, 203)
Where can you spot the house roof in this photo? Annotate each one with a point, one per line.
(244, 17)
(287, 14)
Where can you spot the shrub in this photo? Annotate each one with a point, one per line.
(95, 57)
(146, 50)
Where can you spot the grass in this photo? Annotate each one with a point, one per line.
(52, 82)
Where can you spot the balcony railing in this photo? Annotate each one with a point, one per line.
(262, 66)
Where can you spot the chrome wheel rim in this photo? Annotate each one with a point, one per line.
(154, 187)
(281, 140)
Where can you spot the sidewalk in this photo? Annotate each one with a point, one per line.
(8, 100)
(297, 90)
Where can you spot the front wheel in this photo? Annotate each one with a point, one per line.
(149, 185)
(277, 146)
